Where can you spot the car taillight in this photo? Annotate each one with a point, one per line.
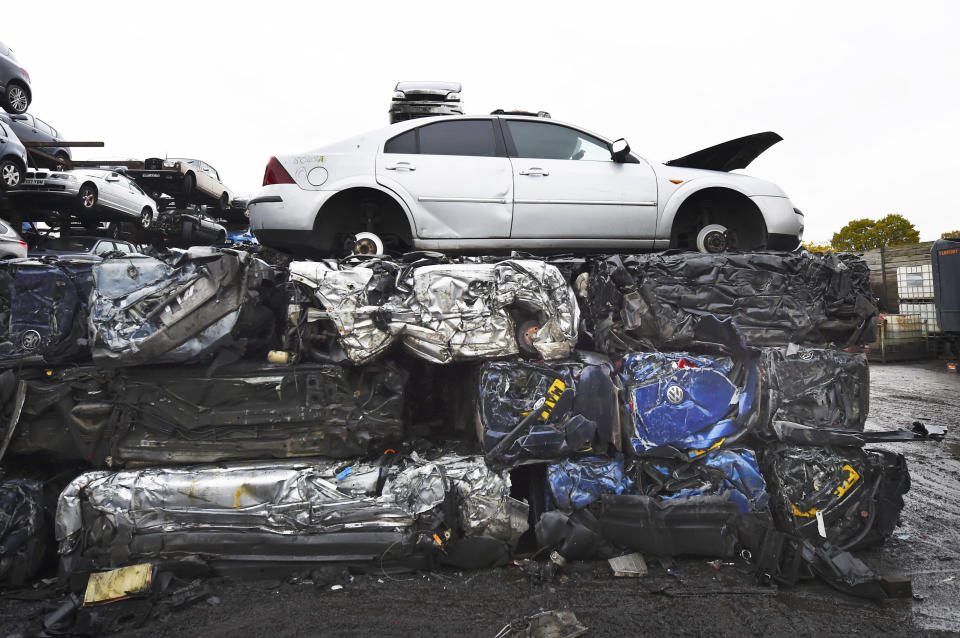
(23, 244)
(276, 174)
(26, 74)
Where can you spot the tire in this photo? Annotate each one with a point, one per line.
(146, 217)
(88, 197)
(16, 99)
(62, 160)
(10, 174)
(221, 238)
(223, 203)
(189, 181)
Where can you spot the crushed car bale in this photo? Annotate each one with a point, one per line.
(718, 404)
(636, 302)
(439, 311)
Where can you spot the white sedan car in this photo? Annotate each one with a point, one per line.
(499, 183)
(95, 194)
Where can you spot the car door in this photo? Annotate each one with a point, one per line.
(566, 185)
(136, 198)
(114, 192)
(454, 176)
(26, 128)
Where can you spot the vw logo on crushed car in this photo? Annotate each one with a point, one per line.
(675, 394)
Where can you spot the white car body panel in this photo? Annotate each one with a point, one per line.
(455, 196)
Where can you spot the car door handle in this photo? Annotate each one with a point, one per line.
(534, 171)
(401, 166)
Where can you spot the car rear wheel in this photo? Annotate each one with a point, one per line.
(16, 99)
(88, 197)
(10, 174)
(62, 160)
(146, 217)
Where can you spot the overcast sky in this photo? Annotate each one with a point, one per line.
(865, 94)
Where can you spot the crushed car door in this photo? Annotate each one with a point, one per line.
(566, 185)
(454, 176)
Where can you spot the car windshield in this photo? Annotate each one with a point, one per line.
(72, 244)
(185, 160)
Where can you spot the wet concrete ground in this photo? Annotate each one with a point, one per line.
(694, 599)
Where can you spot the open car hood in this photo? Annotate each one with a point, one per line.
(730, 155)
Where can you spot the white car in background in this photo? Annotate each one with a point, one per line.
(12, 245)
(92, 194)
(507, 182)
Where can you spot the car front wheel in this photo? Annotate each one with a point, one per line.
(10, 174)
(146, 217)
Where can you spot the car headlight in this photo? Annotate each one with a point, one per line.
(399, 95)
(453, 96)
(64, 176)
(169, 164)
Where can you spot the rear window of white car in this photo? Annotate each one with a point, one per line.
(472, 138)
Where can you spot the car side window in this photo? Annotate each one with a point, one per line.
(403, 143)
(103, 248)
(43, 128)
(553, 141)
(473, 138)
(122, 247)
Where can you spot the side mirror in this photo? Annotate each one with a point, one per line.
(619, 150)
(113, 178)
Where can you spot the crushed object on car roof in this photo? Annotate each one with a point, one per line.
(440, 311)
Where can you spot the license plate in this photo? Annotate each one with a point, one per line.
(32, 182)
(151, 174)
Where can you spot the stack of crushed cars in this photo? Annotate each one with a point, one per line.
(200, 409)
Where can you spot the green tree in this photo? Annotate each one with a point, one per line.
(865, 234)
(817, 248)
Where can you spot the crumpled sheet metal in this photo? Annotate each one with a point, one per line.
(576, 484)
(853, 495)
(692, 402)
(102, 514)
(486, 507)
(442, 312)
(43, 310)
(23, 531)
(734, 473)
(656, 301)
(177, 415)
(508, 390)
(321, 509)
(819, 387)
(174, 309)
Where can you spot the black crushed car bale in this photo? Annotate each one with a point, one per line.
(775, 298)
(820, 387)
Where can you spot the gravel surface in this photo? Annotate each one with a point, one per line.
(694, 598)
